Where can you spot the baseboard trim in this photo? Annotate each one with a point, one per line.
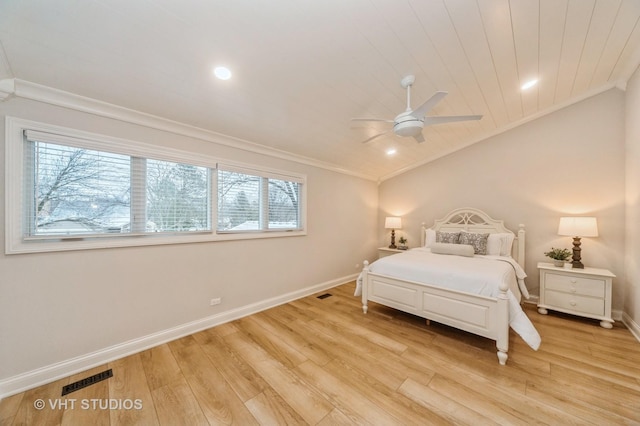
(53, 372)
(633, 326)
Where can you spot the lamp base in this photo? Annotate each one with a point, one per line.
(393, 240)
(577, 264)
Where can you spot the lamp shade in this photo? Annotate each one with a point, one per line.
(392, 222)
(578, 227)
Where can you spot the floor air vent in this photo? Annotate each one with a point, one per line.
(324, 296)
(86, 382)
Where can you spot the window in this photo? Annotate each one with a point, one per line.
(250, 200)
(178, 197)
(74, 191)
(68, 190)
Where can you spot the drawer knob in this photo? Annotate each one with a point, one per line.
(573, 289)
(573, 280)
(572, 303)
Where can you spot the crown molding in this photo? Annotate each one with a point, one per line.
(37, 92)
(5, 68)
(7, 89)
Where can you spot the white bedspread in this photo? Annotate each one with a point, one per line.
(480, 275)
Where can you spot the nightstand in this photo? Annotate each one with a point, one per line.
(584, 292)
(386, 251)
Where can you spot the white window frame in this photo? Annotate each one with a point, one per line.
(15, 215)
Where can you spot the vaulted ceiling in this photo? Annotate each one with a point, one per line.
(303, 69)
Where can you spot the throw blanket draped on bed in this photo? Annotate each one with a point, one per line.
(480, 275)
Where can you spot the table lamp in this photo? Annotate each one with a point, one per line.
(578, 227)
(393, 223)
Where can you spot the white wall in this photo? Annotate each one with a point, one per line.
(567, 162)
(632, 168)
(57, 306)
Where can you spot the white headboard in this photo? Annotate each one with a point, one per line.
(474, 220)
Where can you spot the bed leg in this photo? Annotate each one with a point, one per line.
(365, 286)
(502, 312)
(428, 322)
(502, 357)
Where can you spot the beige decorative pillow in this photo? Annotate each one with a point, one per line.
(455, 249)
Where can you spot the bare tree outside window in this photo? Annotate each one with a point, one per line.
(283, 203)
(177, 196)
(80, 191)
(240, 200)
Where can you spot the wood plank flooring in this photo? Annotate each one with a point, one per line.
(323, 362)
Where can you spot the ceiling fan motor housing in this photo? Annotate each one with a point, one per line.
(406, 124)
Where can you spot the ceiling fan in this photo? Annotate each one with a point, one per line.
(411, 122)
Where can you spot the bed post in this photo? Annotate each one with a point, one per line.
(365, 286)
(423, 234)
(502, 339)
(521, 237)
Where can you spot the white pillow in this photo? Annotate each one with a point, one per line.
(499, 244)
(450, 248)
(494, 244)
(507, 242)
(430, 237)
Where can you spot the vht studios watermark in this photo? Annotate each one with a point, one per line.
(88, 404)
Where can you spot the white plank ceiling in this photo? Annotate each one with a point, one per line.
(303, 69)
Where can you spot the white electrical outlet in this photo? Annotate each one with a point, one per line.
(216, 301)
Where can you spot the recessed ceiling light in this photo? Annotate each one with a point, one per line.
(391, 151)
(529, 84)
(223, 73)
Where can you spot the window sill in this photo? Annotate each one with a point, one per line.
(89, 243)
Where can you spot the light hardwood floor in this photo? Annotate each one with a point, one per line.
(323, 362)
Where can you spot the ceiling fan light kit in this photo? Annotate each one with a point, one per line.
(407, 125)
(411, 122)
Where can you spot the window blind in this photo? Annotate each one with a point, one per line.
(250, 200)
(75, 191)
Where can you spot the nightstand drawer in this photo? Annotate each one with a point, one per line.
(575, 285)
(575, 303)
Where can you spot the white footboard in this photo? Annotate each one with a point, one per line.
(481, 315)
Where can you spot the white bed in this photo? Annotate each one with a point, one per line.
(479, 294)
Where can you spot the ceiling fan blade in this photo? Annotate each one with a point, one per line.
(372, 119)
(375, 136)
(374, 123)
(449, 119)
(419, 138)
(422, 110)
